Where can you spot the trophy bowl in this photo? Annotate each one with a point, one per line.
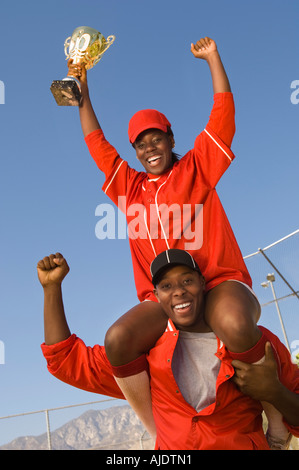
(85, 46)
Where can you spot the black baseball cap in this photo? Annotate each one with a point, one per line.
(170, 258)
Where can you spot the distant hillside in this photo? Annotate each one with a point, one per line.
(114, 428)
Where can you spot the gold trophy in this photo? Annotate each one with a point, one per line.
(86, 46)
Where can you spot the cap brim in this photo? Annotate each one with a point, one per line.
(158, 275)
(152, 125)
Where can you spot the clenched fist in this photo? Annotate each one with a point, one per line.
(202, 48)
(52, 269)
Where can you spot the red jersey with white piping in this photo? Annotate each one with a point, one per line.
(180, 208)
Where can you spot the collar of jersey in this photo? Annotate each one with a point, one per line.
(157, 177)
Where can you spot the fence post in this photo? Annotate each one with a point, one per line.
(279, 312)
(48, 430)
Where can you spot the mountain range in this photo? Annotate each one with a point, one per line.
(113, 428)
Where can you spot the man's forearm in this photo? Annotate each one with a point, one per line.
(55, 325)
(218, 73)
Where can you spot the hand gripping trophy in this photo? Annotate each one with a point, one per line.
(85, 46)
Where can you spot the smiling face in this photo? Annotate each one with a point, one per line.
(180, 291)
(154, 150)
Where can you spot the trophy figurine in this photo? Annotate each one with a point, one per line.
(86, 46)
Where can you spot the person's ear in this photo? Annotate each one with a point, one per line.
(156, 294)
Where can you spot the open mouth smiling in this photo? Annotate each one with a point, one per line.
(154, 160)
(182, 307)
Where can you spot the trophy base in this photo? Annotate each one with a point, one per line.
(66, 92)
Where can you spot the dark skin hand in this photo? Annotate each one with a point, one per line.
(261, 382)
(258, 380)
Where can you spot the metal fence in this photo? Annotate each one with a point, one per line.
(275, 274)
(274, 270)
(142, 441)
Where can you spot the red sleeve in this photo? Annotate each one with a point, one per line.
(117, 171)
(211, 153)
(103, 153)
(87, 368)
(222, 117)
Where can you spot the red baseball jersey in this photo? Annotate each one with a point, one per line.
(180, 208)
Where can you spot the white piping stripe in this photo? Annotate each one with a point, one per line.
(168, 247)
(218, 145)
(149, 235)
(169, 327)
(154, 179)
(167, 256)
(114, 176)
(193, 262)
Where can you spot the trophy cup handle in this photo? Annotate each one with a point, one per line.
(108, 42)
(66, 45)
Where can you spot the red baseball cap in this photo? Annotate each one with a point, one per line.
(146, 119)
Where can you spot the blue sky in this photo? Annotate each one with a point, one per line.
(50, 186)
